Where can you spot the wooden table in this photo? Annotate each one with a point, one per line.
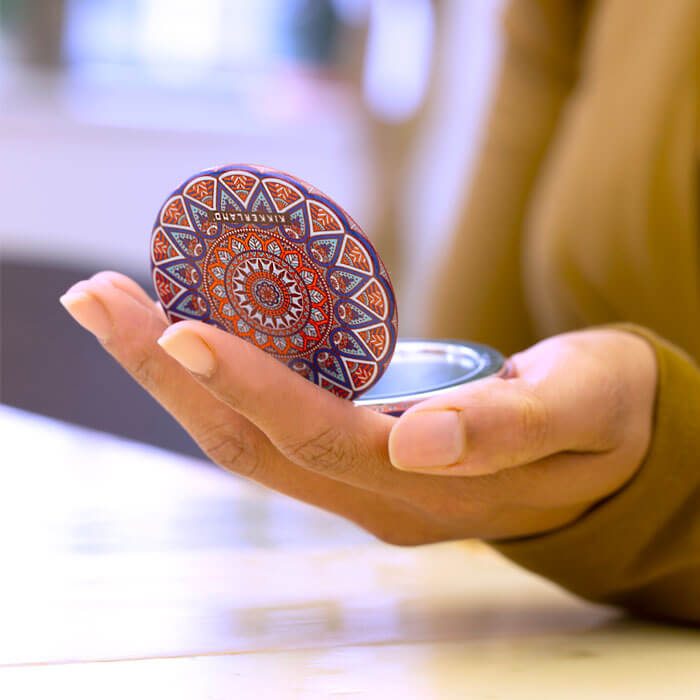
(129, 572)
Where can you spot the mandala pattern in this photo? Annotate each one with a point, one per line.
(271, 259)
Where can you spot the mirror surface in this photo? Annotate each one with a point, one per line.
(420, 366)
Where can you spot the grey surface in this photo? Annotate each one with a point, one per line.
(49, 365)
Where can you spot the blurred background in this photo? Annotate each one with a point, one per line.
(107, 105)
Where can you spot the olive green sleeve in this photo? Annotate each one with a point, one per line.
(640, 548)
(480, 268)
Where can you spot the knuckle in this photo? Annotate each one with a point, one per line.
(533, 420)
(106, 276)
(327, 450)
(142, 359)
(227, 449)
(616, 407)
(145, 369)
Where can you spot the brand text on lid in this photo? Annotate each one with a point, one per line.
(245, 217)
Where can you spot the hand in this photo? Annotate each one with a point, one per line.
(494, 459)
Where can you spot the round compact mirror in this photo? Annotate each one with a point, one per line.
(268, 257)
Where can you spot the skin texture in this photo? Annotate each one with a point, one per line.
(495, 459)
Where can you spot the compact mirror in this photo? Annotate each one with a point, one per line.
(268, 257)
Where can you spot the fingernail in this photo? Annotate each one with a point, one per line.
(189, 350)
(89, 312)
(427, 439)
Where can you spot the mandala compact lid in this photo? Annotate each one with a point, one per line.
(271, 259)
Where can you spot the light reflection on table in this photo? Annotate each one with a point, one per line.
(199, 582)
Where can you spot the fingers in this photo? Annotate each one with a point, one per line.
(122, 282)
(130, 287)
(118, 311)
(308, 425)
(564, 399)
(311, 426)
(128, 325)
(126, 284)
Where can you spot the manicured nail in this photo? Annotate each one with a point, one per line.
(189, 350)
(427, 439)
(89, 312)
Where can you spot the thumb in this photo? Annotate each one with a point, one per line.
(559, 402)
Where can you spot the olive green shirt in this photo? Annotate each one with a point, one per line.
(584, 211)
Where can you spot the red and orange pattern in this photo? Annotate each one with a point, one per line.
(306, 287)
(263, 287)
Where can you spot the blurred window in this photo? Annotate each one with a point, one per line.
(180, 41)
(399, 50)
